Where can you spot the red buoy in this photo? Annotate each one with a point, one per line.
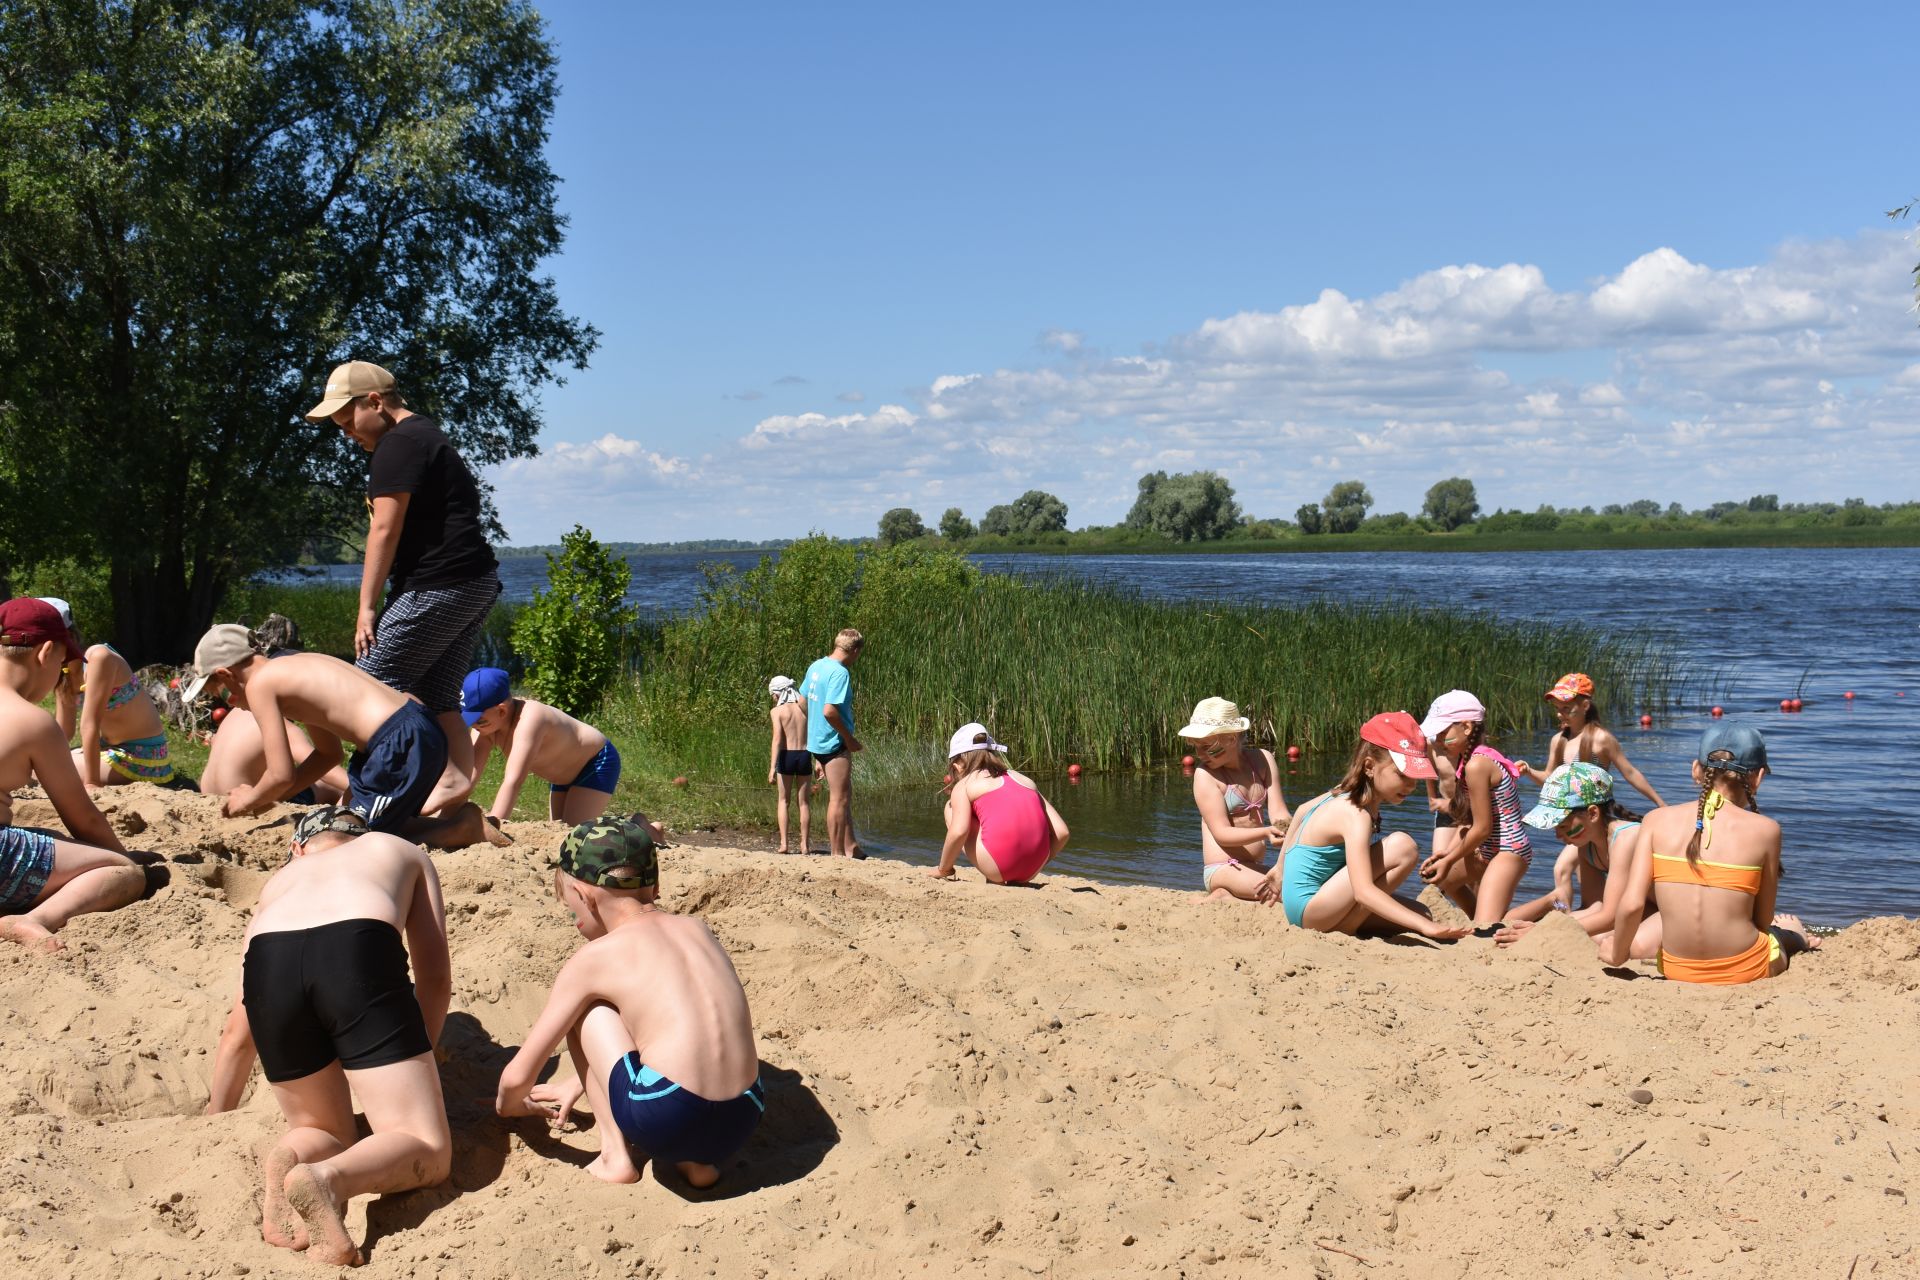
(1073, 771)
(174, 683)
(1293, 753)
(1718, 712)
(1848, 695)
(219, 714)
(1186, 762)
(680, 782)
(1646, 722)
(1798, 705)
(1786, 704)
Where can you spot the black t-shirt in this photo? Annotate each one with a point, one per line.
(440, 540)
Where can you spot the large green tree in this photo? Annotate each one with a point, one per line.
(1346, 506)
(205, 205)
(1035, 511)
(1193, 506)
(1452, 503)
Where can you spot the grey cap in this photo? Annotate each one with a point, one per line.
(1741, 742)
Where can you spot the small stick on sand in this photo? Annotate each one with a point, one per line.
(1622, 1160)
(1334, 1248)
(1850, 1267)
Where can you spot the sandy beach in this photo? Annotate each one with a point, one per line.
(1076, 1079)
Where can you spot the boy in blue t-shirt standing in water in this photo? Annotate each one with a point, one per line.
(828, 688)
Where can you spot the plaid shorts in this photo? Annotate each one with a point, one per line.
(26, 860)
(423, 643)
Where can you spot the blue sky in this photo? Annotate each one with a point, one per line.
(906, 255)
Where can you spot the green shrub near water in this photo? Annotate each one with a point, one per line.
(574, 634)
(1071, 671)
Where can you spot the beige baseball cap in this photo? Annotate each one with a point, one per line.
(347, 383)
(227, 645)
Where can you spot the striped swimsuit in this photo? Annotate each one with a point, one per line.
(1509, 834)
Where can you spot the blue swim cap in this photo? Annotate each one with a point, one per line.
(485, 687)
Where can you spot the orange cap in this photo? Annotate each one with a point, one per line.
(1570, 686)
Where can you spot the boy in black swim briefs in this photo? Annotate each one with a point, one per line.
(653, 1016)
(325, 1001)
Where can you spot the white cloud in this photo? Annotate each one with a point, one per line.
(1721, 373)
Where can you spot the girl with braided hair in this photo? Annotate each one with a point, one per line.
(1483, 867)
(1713, 868)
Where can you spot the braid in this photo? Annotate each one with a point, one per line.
(1617, 812)
(1700, 814)
(1461, 806)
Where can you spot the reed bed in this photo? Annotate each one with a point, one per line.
(1073, 672)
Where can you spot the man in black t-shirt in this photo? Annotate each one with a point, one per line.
(425, 544)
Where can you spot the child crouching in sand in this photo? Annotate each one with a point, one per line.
(1577, 805)
(46, 880)
(995, 815)
(1335, 874)
(1713, 869)
(538, 741)
(121, 737)
(325, 1001)
(1236, 788)
(653, 1016)
(1484, 865)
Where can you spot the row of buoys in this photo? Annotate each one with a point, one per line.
(1791, 704)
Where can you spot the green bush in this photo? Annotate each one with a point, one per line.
(574, 635)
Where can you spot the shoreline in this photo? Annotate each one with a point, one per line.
(1077, 1079)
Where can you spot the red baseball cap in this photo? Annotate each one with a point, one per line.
(1400, 734)
(29, 622)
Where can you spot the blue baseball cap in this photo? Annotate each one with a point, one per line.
(483, 688)
(1742, 743)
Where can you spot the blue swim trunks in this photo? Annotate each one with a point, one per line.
(601, 774)
(26, 860)
(674, 1124)
(393, 772)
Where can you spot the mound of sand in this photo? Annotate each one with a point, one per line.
(963, 1080)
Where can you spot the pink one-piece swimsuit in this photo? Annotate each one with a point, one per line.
(1015, 830)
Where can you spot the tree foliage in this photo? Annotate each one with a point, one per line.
(204, 206)
(1193, 506)
(573, 634)
(902, 524)
(1345, 506)
(954, 525)
(1452, 503)
(1034, 511)
(1309, 519)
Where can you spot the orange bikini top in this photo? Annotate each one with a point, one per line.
(1715, 875)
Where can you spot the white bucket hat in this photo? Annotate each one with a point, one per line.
(969, 737)
(1215, 715)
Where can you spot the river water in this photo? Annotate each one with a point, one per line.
(1755, 625)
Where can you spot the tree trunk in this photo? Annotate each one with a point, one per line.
(158, 616)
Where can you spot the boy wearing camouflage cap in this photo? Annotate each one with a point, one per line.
(653, 1016)
(326, 1003)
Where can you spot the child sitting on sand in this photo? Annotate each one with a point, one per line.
(538, 741)
(46, 880)
(1483, 868)
(1237, 791)
(995, 815)
(1713, 869)
(1335, 874)
(400, 748)
(1577, 805)
(790, 766)
(653, 1016)
(119, 724)
(326, 1003)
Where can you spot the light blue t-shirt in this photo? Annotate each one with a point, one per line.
(828, 683)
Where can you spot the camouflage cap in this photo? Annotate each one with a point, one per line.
(594, 850)
(328, 817)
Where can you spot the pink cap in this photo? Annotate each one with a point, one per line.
(1456, 706)
(1396, 731)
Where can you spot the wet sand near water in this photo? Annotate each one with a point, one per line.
(1074, 1080)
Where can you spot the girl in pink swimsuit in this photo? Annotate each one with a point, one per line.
(995, 816)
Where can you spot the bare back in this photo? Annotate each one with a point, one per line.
(237, 757)
(675, 989)
(324, 693)
(790, 725)
(558, 746)
(371, 877)
(1704, 920)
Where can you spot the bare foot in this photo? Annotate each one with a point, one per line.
(613, 1164)
(699, 1176)
(490, 827)
(30, 934)
(280, 1226)
(1781, 920)
(310, 1192)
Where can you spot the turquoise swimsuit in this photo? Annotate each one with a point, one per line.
(1309, 866)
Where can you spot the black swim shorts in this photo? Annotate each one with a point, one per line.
(393, 773)
(333, 992)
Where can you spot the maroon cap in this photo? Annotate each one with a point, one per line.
(1400, 735)
(28, 622)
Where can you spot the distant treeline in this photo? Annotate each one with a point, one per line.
(651, 548)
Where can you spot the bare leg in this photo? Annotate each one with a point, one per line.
(1497, 884)
(598, 1042)
(465, 826)
(409, 1147)
(1237, 882)
(1334, 909)
(84, 879)
(583, 804)
(803, 788)
(982, 860)
(839, 771)
(456, 779)
(781, 784)
(319, 1115)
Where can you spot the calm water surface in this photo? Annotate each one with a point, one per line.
(1756, 625)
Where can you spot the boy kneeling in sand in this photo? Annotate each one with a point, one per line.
(400, 750)
(653, 1015)
(580, 764)
(325, 1000)
(45, 881)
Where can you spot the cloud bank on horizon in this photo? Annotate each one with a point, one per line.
(1671, 380)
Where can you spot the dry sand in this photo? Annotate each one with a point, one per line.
(1071, 1080)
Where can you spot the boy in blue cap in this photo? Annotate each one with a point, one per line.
(653, 1016)
(580, 764)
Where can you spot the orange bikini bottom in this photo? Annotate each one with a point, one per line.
(1751, 965)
